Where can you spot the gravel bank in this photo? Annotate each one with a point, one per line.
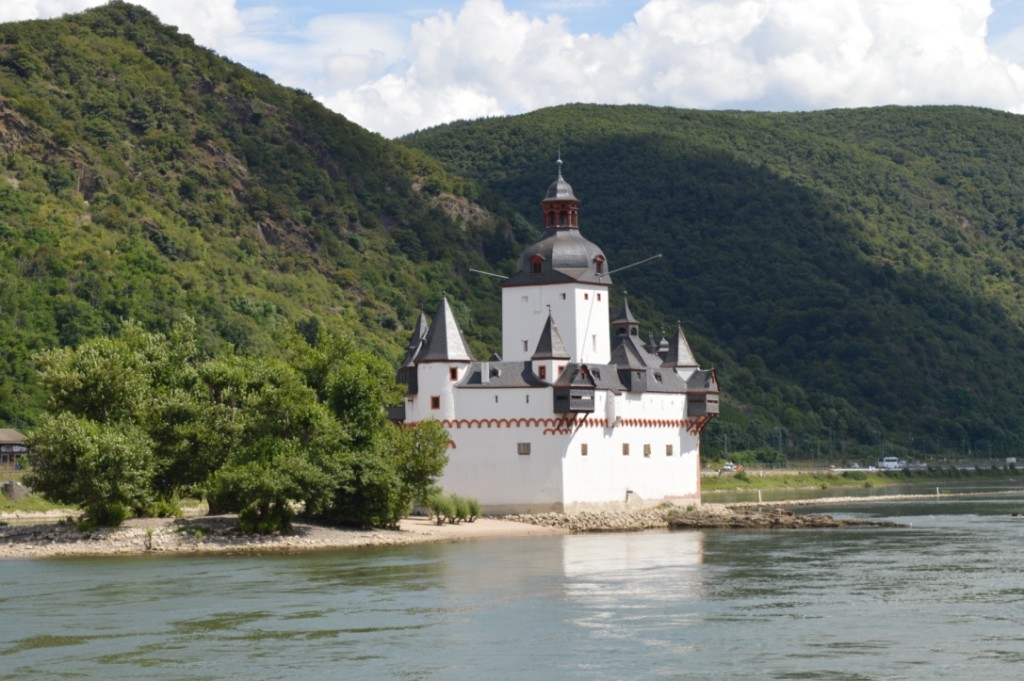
(40, 535)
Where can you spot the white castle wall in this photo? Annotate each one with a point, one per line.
(484, 461)
(580, 312)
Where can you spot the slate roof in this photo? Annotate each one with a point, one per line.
(550, 345)
(501, 375)
(566, 256)
(624, 317)
(679, 353)
(419, 335)
(560, 189)
(444, 341)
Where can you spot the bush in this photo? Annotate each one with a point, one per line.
(441, 507)
(452, 508)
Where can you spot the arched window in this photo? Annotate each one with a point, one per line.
(599, 264)
(563, 218)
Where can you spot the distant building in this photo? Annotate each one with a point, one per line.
(578, 412)
(12, 448)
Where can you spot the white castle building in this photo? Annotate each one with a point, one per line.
(578, 413)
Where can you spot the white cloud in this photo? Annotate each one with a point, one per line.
(761, 54)
(393, 74)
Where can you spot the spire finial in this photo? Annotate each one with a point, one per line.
(559, 161)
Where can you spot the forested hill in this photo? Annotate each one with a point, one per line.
(143, 177)
(855, 275)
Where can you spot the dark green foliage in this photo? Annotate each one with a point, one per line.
(854, 275)
(850, 273)
(143, 177)
(105, 468)
(140, 418)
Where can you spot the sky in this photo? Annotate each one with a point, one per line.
(396, 66)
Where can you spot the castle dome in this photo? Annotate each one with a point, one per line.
(562, 254)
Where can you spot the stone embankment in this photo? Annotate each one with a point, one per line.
(708, 516)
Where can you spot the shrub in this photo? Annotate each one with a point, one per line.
(452, 508)
(441, 507)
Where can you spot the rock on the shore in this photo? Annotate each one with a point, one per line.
(708, 516)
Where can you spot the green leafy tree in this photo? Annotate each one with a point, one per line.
(106, 469)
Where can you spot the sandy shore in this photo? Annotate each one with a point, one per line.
(39, 536)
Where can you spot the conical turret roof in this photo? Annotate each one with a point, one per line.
(679, 353)
(550, 345)
(419, 335)
(444, 341)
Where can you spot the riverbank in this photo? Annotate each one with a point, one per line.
(38, 535)
(43, 537)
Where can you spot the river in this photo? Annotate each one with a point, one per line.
(942, 598)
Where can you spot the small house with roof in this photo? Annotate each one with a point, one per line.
(12, 448)
(577, 413)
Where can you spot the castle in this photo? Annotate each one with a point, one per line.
(578, 413)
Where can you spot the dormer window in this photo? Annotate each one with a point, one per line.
(536, 262)
(542, 373)
(599, 264)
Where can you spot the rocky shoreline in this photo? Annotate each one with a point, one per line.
(41, 535)
(707, 516)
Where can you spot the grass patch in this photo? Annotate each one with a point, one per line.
(33, 503)
(862, 478)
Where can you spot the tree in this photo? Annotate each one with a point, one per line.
(106, 468)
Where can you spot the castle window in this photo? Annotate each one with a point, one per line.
(542, 373)
(599, 265)
(563, 296)
(561, 368)
(625, 449)
(586, 296)
(668, 450)
(453, 374)
(535, 264)
(496, 401)
(583, 449)
(563, 218)
(599, 296)
(647, 450)
(435, 401)
(526, 345)
(551, 219)
(526, 299)
(527, 399)
(523, 448)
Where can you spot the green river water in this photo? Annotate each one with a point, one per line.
(942, 598)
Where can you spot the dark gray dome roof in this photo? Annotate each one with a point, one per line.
(560, 191)
(565, 255)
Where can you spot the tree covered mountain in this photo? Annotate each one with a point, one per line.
(854, 274)
(145, 178)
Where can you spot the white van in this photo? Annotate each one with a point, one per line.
(889, 463)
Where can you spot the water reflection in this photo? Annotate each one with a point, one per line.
(938, 599)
